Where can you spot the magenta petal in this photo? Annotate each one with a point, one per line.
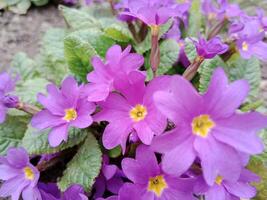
(134, 171)
(246, 142)
(231, 99)
(7, 172)
(129, 192)
(13, 187)
(168, 141)
(144, 132)
(57, 135)
(147, 158)
(215, 193)
(96, 92)
(69, 88)
(114, 185)
(243, 190)
(17, 157)
(109, 171)
(45, 119)
(114, 133)
(30, 193)
(217, 159)
(179, 160)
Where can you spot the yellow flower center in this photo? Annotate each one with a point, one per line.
(157, 184)
(70, 114)
(245, 46)
(28, 173)
(219, 180)
(201, 125)
(138, 113)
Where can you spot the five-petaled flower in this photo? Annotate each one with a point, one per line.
(153, 183)
(208, 127)
(64, 108)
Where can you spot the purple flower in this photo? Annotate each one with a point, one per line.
(118, 63)
(152, 12)
(208, 127)
(151, 182)
(74, 192)
(71, 1)
(6, 85)
(19, 175)
(133, 111)
(262, 19)
(64, 108)
(110, 178)
(209, 49)
(226, 189)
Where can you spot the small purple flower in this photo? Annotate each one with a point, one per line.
(71, 1)
(209, 49)
(207, 127)
(151, 182)
(6, 85)
(226, 189)
(134, 110)
(74, 192)
(64, 108)
(152, 12)
(262, 19)
(19, 175)
(110, 178)
(118, 63)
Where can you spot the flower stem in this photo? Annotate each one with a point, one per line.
(192, 69)
(28, 108)
(215, 30)
(155, 51)
(111, 3)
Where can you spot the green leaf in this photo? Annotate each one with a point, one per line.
(81, 46)
(190, 49)
(250, 70)
(195, 19)
(257, 166)
(36, 141)
(118, 32)
(84, 167)
(21, 7)
(39, 2)
(27, 90)
(12, 132)
(78, 19)
(53, 65)
(23, 66)
(206, 70)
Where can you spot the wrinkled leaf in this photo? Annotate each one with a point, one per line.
(81, 46)
(195, 19)
(36, 141)
(84, 167)
(12, 132)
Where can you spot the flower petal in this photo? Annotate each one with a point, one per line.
(57, 135)
(17, 157)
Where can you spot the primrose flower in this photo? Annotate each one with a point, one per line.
(209, 49)
(110, 178)
(151, 182)
(208, 127)
(6, 85)
(226, 189)
(64, 108)
(132, 111)
(152, 12)
(19, 175)
(74, 192)
(118, 63)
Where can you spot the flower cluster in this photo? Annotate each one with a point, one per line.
(160, 137)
